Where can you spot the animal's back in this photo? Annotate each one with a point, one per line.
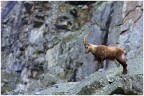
(106, 52)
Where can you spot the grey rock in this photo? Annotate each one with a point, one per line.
(135, 65)
(2, 84)
(24, 75)
(57, 71)
(125, 88)
(28, 6)
(85, 7)
(63, 22)
(37, 23)
(95, 81)
(5, 80)
(52, 56)
(58, 89)
(32, 85)
(48, 80)
(36, 36)
(98, 85)
(29, 51)
(40, 60)
(61, 81)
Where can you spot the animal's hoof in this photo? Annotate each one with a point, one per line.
(97, 69)
(124, 72)
(100, 69)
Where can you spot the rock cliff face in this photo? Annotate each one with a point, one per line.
(43, 52)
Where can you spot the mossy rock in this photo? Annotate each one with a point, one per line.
(5, 88)
(68, 39)
(9, 82)
(83, 15)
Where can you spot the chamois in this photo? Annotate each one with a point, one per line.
(102, 52)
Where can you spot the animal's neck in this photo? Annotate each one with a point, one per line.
(93, 48)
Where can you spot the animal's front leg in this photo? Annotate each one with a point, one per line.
(98, 65)
(94, 59)
(101, 65)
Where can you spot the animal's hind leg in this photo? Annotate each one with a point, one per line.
(123, 63)
(106, 64)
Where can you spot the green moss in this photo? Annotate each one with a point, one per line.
(38, 52)
(6, 88)
(84, 15)
(7, 76)
(68, 39)
(64, 7)
(10, 79)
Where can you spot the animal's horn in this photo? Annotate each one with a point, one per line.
(85, 39)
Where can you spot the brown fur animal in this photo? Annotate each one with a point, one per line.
(102, 52)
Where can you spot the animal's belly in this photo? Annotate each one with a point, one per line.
(111, 58)
(101, 58)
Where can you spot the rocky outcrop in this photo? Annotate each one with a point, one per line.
(46, 39)
(100, 83)
(124, 85)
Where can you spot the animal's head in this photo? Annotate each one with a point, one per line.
(86, 44)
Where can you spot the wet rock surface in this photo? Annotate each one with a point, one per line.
(46, 39)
